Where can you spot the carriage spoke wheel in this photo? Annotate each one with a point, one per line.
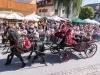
(66, 55)
(54, 49)
(91, 50)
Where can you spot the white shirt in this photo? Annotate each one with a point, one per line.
(48, 33)
(24, 32)
(52, 30)
(40, 31)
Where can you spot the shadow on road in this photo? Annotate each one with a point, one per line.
(16, 64)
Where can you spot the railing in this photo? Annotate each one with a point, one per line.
(17, 5)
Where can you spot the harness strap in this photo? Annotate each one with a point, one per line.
(17, 49)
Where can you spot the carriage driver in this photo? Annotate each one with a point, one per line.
(61, 33)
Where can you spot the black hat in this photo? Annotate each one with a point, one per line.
(70, 25)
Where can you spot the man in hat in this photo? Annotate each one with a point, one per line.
(61, 33)
(68, 35)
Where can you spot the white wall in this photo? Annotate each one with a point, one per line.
(51, 11)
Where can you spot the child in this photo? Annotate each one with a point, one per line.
(26, 43)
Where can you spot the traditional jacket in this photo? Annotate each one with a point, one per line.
(27, 43)
(68, 37)
(61, 33)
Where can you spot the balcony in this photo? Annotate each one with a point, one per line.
(8, 4)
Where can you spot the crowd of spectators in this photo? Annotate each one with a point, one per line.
(44, 29)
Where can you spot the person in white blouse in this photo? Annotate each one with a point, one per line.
(52, 30)
(24, 31)
(41, 33)
(48, 33)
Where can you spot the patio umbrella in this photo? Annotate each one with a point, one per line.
(36, 16)
(88, 20)
(14, 16)
(30, 17)
(3, 15)
(78, 20)
(55, 18)
(95, 22)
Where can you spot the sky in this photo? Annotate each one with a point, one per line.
(85, 2)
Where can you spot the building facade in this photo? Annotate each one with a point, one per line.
(22, 6)
(26, 1)
(96, 8)
(46, 8)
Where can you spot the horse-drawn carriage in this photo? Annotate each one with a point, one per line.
(65, 51)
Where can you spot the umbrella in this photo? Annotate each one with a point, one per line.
(95, 22)
(78, 20)
(65, 19)
(87, 20)
(14, 16)
(55, 18)
(36, 16)
(3, 15)
(30, 17)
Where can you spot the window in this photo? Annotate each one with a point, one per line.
(63, 11)
(39, 10)
(43, 10)
(46, 10)
(19, 0)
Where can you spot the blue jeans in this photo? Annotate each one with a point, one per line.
(42, 37)
(95, 36)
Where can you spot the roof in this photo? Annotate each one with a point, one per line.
(96, 7)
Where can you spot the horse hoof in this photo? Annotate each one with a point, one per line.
(33, 62)
(6, 64)
(23, 65)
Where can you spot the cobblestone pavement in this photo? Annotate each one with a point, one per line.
(88, 70)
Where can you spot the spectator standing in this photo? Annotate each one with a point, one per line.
(24, 31)
(41, 34)
(48, 33)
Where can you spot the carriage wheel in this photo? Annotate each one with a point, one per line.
(54, 49)
(91, 50)
(66, 55)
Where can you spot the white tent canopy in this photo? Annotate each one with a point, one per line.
(65, 19)
(36, 16)
(87, 20)
(55, 18)
(31, 17)
(3, 15)
(93, 21)
(14, 16)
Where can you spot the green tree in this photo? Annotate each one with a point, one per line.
(86, 12)
(71, 6)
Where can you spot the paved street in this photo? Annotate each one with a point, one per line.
(77, 65)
